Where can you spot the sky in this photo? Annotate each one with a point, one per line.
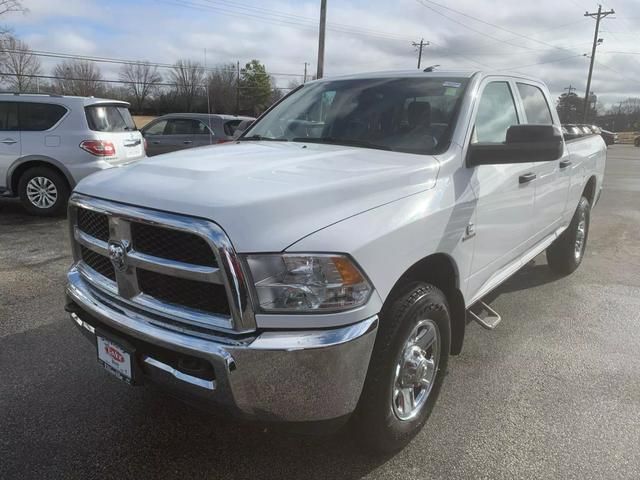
(548, 39)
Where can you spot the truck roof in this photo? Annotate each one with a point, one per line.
(422, 73)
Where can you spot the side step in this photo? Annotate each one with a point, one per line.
(486, 316)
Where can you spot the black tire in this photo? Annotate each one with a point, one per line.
(60, 186)
(637, 142)
(377, 425)
(563, 255)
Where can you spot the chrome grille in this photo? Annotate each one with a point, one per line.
(94, 224)
(172, 244)
(202, 296)
(99, 263)
(178, 267)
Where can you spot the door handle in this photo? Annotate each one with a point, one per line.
(527, 177)
(155, 142)
(565, 163)
(187, 142)
(9, 141)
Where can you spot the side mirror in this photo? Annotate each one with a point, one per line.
(524, 143)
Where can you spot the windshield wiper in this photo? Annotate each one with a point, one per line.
(260, 137)
(341, 141)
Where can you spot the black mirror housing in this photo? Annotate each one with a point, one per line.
(524, 143)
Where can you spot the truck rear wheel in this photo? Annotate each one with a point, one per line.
(407, 367)
(43, 191)
(566, 253)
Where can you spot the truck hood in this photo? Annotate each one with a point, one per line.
(267, 195)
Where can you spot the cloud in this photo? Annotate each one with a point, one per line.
(545, 38)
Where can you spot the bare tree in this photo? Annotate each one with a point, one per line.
(19, 64)
(8, 6)
(222, 83)
(188, 77)
(78, 77)
(142, 79)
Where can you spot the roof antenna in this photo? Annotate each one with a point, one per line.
(431, 68)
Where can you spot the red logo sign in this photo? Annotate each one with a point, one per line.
(114, 353)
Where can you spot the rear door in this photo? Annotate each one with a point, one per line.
(10, 149)
(202, 133)
(552, 178)
(113, 123)
(504, 208)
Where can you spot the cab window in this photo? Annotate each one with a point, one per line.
(535, 105)
(496, 113)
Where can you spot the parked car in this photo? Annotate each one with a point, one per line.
(325, 263)
(609, 137)
(178, 131)
(571, 132)
(242, 126)
(50, 142)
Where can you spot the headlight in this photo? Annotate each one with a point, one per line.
(307, 283)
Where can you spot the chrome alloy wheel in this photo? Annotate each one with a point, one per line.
(416, 370)
(581, 233)
(42, 192)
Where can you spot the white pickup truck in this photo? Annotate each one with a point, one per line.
(324, 266)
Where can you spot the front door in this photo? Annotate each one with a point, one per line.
(504, 210)
(154, 135)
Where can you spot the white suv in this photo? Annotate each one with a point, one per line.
(50, 142)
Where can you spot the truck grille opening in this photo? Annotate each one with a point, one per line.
(195, 294)
(99, 263)
(207, 297)
(94, 224)
(172, 244)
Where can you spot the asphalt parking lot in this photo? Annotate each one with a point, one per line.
(554, 392)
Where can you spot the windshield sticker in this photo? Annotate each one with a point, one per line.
(450, 91)
(451, 84)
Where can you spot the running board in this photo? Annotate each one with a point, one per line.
(486, 316)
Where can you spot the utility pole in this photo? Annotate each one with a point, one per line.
(567, 107)
(420, 46)
(323, 24)
(237, 88)
(598, 16)
(305, 72)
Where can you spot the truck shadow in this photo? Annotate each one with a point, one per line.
(535, 274)
(218, 447)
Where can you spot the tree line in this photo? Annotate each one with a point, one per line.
(184, 87)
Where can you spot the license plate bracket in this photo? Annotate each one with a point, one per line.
(117, 357)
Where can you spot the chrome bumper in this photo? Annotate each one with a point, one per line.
(291, 376)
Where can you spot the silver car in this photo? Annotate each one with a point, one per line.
(178, 131)
(50, 142)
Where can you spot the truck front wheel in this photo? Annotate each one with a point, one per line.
(565, 254)
(408, 364)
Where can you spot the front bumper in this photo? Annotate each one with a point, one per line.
(288, 376)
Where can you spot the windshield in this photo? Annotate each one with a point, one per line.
(414, 115)
(109, 118)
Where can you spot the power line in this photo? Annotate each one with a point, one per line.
(555, 60)
(476, 19)
(41, 53)
(301, 18)
(480, 32)
(309, 24)
(125, 82)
